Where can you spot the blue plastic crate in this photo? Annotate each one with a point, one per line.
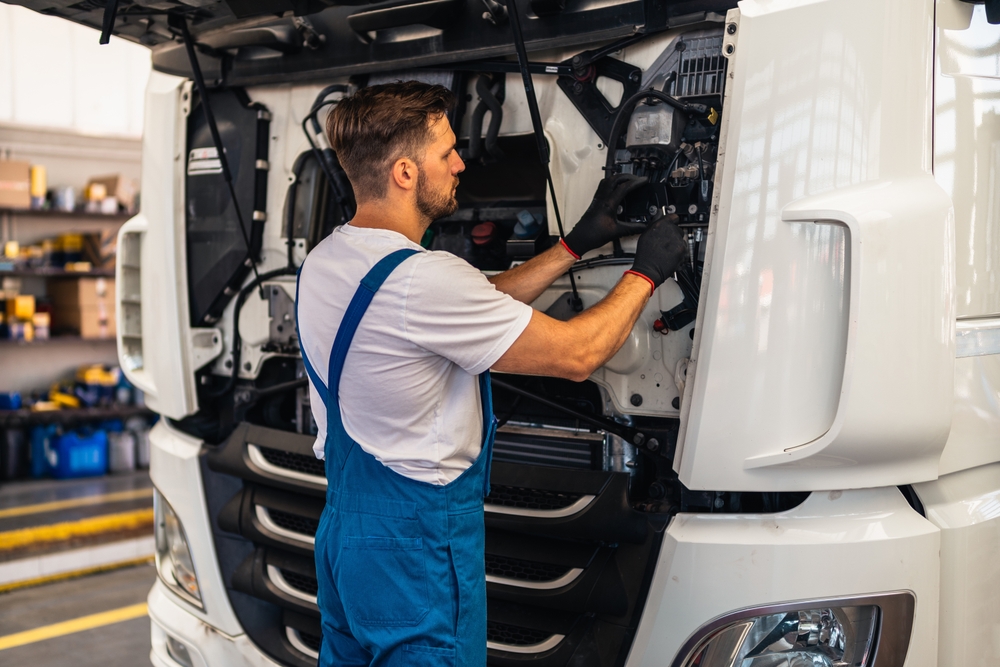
(81, 454)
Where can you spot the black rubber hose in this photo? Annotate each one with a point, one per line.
(476, 125)
(625, 114)
(318, 103)
(237, 341)
(496, 117)
(290, 209)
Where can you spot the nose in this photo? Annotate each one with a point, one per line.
(457, 166)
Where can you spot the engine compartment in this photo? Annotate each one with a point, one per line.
(583, 482)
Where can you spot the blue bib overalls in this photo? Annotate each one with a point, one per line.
(400, 563)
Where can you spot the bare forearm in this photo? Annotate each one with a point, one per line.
(603, 329)
(527, 281)
(577, 348)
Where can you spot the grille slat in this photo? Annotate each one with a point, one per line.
(547, 451)
(533, 499)
(311, 640)
(300, 582)
(294, 522)
(511, 635)
(523, 570)
(307, 465)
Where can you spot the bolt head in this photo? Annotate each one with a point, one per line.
(652, 444)
(635, 399)
(719, 503)
(651, 210)
(634, 77)
(638, 439)
(731, 28)
(729, 49)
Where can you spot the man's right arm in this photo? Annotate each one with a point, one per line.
(576, 348)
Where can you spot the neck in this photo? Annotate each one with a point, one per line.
(394, 216)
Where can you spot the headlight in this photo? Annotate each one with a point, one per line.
(173, 555)
(860, 632)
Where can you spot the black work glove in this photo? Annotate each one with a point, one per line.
(600, 224)
(660, 250)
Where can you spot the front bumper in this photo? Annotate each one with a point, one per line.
(205, 645)
(834, 545)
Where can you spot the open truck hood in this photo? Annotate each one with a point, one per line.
(244, 42)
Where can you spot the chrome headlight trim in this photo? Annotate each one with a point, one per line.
(165, 559)
(889, 649)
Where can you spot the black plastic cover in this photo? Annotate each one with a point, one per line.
(218, 259)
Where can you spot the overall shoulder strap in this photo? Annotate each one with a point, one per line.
(352, 318)
(320, 387)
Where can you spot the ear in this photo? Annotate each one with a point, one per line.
(404, 174)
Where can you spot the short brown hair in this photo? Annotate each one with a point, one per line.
(378, 125)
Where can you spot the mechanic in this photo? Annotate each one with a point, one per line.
(400, 546)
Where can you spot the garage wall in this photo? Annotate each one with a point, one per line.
(70, 159)
(53, 73)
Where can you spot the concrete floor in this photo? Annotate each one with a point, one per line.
(124, 644)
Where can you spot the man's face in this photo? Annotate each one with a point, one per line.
(439, 171)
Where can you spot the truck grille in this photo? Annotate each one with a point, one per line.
(303, 463)
(533, 499)
(522, 570)
(510, 635)
(294, 523)
(566, 554)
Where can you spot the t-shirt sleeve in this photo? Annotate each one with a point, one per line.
(454, 311)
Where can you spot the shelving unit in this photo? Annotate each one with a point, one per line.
(54, 340)
(52, 272)
(38, 364)
(27, 417)
(76, 215)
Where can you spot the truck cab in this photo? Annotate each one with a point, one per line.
(795, 457)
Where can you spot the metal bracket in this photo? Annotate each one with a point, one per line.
(281, 309)
(581, 89)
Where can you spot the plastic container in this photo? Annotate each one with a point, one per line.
(81, 453)
(13, 454)
(121, 451)
(43, 452)
(10, 400)
(140, 429)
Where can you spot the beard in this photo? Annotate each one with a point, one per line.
(434, 205)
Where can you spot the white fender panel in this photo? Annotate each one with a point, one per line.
(824, 348)
(835, 544)
(966, 507)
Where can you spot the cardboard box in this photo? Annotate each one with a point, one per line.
(93, 323)
(81, 292)
(15, 184)
(116, 186)
(83, 306)
(21, 307)
(99, 248)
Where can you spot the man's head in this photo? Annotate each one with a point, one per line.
(396, 138)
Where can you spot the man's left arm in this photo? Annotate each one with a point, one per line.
(598, 226)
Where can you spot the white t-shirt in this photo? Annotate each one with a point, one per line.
(409, 394)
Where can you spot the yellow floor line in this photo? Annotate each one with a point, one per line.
(76, 502)
(75, 625)
(73, 574)
(57, 532)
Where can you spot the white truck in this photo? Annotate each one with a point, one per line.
(795, 458)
